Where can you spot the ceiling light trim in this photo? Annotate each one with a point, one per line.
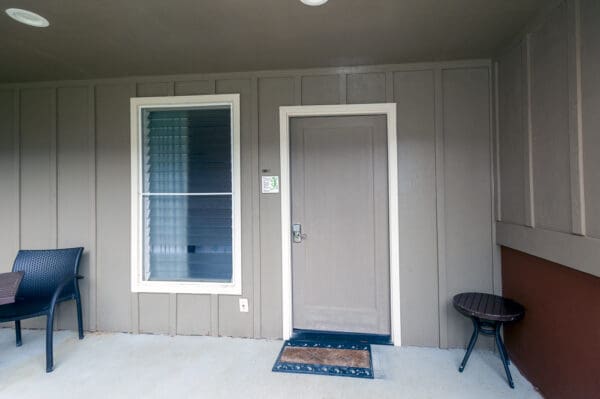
(314, 3)
(27, 17)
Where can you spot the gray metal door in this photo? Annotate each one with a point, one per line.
(340, 255)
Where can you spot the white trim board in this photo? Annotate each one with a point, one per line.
(576, 252)
(285, 113)
(138, 283)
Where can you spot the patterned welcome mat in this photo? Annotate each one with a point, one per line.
(341, 359)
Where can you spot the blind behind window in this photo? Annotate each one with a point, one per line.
(187, 199)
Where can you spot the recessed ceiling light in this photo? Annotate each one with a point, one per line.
(314, 3)
(27, 17)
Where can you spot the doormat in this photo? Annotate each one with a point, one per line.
(338, 359)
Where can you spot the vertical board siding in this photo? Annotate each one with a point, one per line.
(561, 53)
(512, 136)
(38, 168)
(75, 195)
(272, 93)
(467, 190)
(319, 90)
(550, 122)
(193, 311)
(9, 179)
(590, 59)
(75, 153)
(38, 173)
(154, 310)
(414, 93)
(192, 88)
(113, 210)
(231, 321)
(154, 313)
(365, 88)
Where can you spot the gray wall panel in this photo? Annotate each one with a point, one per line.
(272, 93)
(194, 311)
(231, 321)
(467, 190)
(365, 88)
(513, 136)
(113, 209)
(9, 179)
(194, 87)
(550, 123)
(590, 60)
(38, 173)
(154, 311)
(76, 193)
(317, 90)
(193, 314)
(106, 216)
(563, 52)
(154, 89)
(414, 94)
(38, 168)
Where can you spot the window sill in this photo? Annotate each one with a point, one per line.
(186, 287)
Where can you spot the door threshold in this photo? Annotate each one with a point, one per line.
(341, 337)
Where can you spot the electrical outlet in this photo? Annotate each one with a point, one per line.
(244, 305)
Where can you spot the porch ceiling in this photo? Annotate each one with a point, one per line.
(94, 39)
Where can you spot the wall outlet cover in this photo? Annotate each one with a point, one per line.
(244, 305)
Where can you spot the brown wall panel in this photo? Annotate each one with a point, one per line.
(557, 344)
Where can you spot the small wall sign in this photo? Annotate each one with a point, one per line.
(270, 184)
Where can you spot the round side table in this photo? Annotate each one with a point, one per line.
(488, 312)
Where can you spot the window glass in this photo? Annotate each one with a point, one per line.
(187, 194)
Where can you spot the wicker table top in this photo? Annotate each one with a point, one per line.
(9, 285)
(488, 307)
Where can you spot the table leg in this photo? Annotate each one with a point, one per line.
(471, 344)
(503, 355)
(503, 349)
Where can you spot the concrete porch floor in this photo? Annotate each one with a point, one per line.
(152, 366)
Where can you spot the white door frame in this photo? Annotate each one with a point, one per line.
(285, 113)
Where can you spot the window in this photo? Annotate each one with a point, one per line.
(185, 166)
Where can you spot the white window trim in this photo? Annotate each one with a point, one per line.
(183, 287)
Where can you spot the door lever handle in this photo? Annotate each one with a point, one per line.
(297, 235)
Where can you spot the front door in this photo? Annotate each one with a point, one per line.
(340, 254)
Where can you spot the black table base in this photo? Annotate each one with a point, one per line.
(488, 313)
(490, 328)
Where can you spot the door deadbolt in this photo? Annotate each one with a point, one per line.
(297, 235)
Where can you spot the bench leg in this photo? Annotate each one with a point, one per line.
(503, 355)
(471, 344)
(18, 333)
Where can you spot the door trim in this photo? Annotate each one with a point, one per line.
(285, 113)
